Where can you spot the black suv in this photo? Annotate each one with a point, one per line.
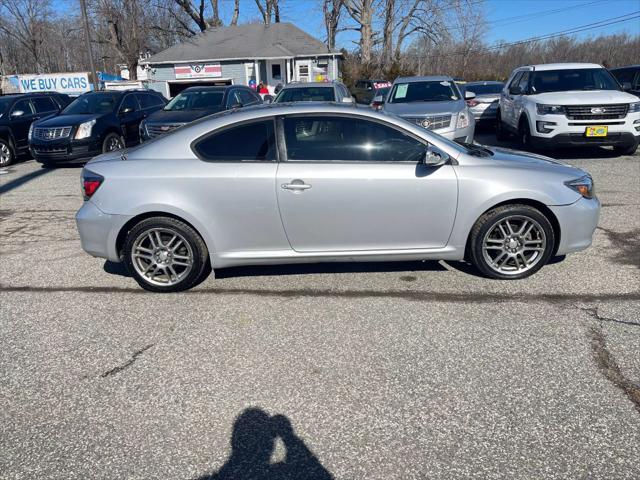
(364, 90)
(17, 113)
(629, 78)
(196, 102)
(94, 123)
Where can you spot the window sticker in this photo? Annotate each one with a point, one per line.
(401, 92)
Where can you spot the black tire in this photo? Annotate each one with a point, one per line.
(626, 150)
(524, 133)
(490, 220)
(501, 135)
(200, 266)
(7, 154)
(110, 140)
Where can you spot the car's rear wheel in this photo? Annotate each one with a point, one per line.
(112, 142)
(6, 154)
(511, 242)
(165, 255)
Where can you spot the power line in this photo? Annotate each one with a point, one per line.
(549, 36)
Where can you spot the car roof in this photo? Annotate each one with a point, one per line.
(432, 78)
(559, 66)
(309, 84)
(213, 88)
(487, 82)
(625, 67)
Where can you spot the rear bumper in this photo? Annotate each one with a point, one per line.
(577, 222)
(99, 231)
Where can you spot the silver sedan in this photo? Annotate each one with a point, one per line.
(326, 182)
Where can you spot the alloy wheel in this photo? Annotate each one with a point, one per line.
(5, 154)
(162, 256)
(514, 245)
(114, 144)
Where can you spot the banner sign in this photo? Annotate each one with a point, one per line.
(198, 70)
(74, 83)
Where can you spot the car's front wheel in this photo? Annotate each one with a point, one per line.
(112, 142)
(165, 255)
(511, 242)
(6, 153)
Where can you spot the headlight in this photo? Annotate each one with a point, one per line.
(634, 107)
(463, 120)
(550, 109)
(84, 130)
(30, 132)
(583, 185)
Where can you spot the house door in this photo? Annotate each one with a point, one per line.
(275, 72)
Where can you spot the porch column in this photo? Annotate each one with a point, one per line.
(334, 68)
(286, 70)
(256, 69)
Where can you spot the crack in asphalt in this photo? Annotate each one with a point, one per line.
(130, 362)
(411, 295)
(606, 363)
(593, 312)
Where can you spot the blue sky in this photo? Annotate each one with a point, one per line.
(532, 21)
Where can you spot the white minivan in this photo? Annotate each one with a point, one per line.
(568, 105)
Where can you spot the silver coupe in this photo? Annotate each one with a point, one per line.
(311, 182)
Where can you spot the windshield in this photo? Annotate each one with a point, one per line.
(4, 104)
(306, 94)
(430, 91)
(488, 89)
(567, 80)
(196, 100)
(92, 103)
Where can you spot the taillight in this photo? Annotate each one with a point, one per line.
(90, 183)
(376, 105)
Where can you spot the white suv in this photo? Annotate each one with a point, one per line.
(566, 105)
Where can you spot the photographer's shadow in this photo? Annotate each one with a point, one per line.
(253, 443)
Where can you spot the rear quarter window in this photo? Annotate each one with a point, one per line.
(248, 142)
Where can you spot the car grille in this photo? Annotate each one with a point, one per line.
(153, 130)
(431, 123)
(54, 152)
(596, 112)
(51, 133)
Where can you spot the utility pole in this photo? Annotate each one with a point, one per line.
(83, 7)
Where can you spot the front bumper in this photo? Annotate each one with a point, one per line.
(64, 150)
(99, 231)
(577, 223)
(613, 139)
(463, 135)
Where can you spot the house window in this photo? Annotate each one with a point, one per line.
(276, 74)
(303, 72)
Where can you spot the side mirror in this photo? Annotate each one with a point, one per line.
(515, 90)
(126, 110)
(268, 99)
(469, 95)
(347, 99)
(434, 157)
(17, 113)
(236, 105)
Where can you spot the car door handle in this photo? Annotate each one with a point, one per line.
(296, 185)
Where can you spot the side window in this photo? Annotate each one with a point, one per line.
(23, 105)
(324, 138)
(246, 98)
(43, 104)
(361, 84)
(144, 100)
(524, 82)
(250, 142)
(624, 75)
(636, 82)
(129, 102)
(515, 80)
(233, 98)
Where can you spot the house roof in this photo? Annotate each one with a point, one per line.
(250, 41)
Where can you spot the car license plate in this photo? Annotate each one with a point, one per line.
(597, 131)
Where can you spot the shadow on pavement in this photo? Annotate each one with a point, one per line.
(253, 443)
(18, 182)
(306, 268)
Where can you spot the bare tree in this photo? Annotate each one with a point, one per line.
(268, 9)
(195, 12)
(331, 10)
(236, 12)
(25, 22)
(361, 12)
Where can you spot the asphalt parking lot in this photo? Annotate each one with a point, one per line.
(349, 371)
